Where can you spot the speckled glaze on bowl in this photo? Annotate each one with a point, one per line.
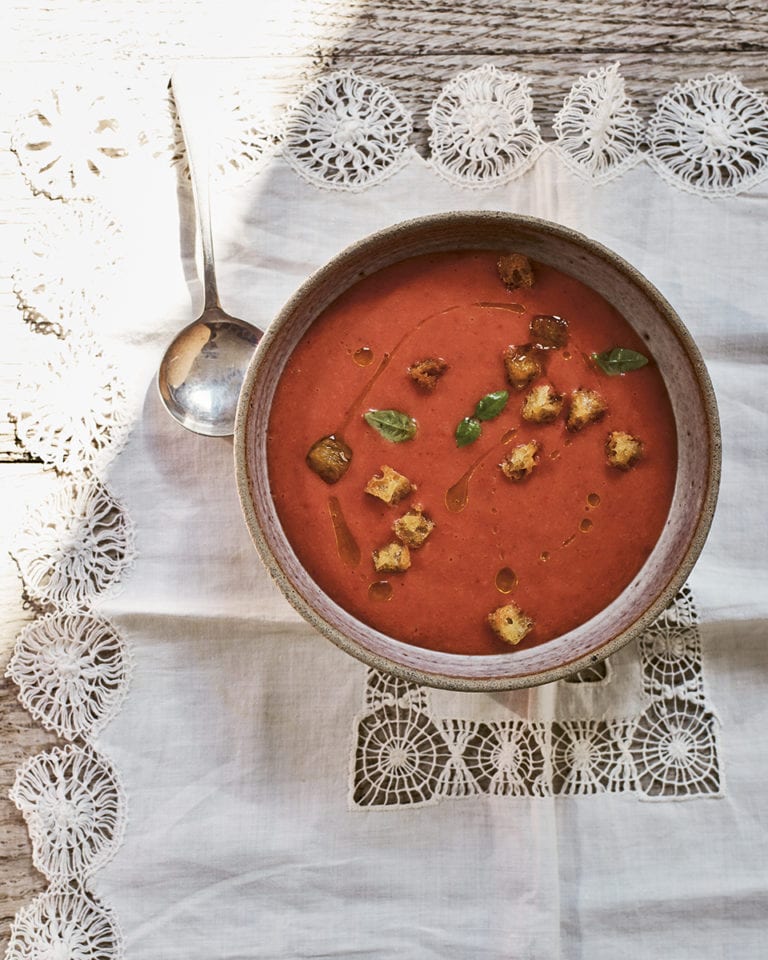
(693, 403)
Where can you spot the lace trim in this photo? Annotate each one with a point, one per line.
(72, 671)
(710, 136)
(69, 260)
(347, 132)
(482, 128)
(74, 807)
(71, 410)
(75, 139)
(599, 133)
(74, 546)
(405, 754)
(242, 140)
(66, 922)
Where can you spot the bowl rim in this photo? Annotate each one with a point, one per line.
(502, 682)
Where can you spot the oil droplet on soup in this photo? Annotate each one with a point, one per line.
(593, 499)
(380, 590)
(363, 356)
(506, 580)
(586, 525)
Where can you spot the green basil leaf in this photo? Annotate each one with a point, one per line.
(392, 424)
(619, 360)
(491, 405)
(467, 431)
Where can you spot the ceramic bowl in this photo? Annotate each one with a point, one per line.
(694, 410)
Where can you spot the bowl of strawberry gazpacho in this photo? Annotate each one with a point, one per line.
(478, 451)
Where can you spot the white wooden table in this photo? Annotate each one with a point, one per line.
(412, 47)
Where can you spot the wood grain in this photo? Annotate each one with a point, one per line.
(414, 46)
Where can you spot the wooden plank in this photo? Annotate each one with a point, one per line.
(152, 30)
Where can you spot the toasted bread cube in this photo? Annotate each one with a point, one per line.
(426, 373)
(520, 461)
(510, 624)
(394, 558)
(548, 331)
(523, 364)
(329, 457)
(389, 486)
(623, 450)
(543, 404)
(515, 270)
(413, 527)
(587, 406)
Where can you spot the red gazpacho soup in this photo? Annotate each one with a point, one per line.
(466, 456)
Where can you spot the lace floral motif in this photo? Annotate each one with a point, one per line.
(69, 260)
(589, 756)
(406, 754)
(74, 139)
(598, 130)
(72, 411)
(73, 805)
(347, 132)
(74, 546)
(241, 139)
(710, 136)
(72, 671)
(674, 749)
(502, 758)
(482, 128)
(65, 923)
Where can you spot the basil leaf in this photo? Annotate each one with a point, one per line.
(619, 360)
(491, 405)
(392, 425)
(467, 431)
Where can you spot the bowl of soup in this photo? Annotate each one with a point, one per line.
(478, 451)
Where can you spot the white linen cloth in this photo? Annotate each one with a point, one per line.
(237, 743)
(234, 744)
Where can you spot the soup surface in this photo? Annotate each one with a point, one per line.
(559, 544)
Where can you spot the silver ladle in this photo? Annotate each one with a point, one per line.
(202, 371)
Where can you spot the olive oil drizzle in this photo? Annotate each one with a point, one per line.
(457, 496)
(386, 359)
(346, 545)
(493, 305)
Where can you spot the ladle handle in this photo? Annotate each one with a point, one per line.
(193, 107)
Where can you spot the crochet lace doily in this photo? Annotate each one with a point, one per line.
(482, 128)
(407, 754)
(81, 140)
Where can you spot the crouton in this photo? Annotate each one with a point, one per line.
(623, 450)
(426, 373)
(329, 457)
(548, 331)
(587, 406)
(394, 558)
(543, 404)
(413, 527)
(520, 461)
(389, 486)
(523, 364)
(515, 270)
(510, 624)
